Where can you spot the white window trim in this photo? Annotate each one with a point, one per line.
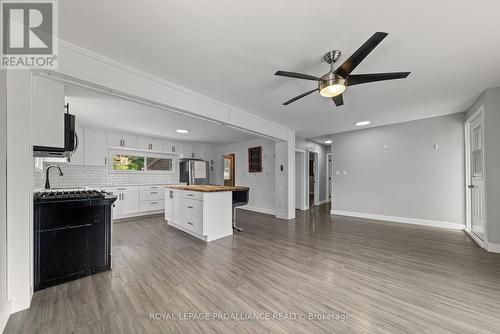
(144, 154)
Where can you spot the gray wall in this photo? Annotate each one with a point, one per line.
(4, 311)
(262, 185)
(303, 144)
(408, 178)
(490, 99)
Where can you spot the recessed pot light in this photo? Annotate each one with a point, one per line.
(328, 142)
(183, 131)
(362, 123)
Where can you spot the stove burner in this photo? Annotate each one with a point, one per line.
(55, 195)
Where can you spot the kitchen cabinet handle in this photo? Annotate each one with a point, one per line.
(190, 207)
(189, 223)
(154, 187)
(154, 192)
(105, 161)
(190, 195)
(122, 188)
(154, 202)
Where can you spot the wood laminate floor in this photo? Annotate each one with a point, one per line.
(388, 278)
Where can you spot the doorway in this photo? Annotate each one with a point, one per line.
(313, 183)
(301, 198)
(474, 142)
(229, 177)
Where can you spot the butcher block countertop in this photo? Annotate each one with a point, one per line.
(207, 188)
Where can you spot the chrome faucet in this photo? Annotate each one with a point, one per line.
(47, 183)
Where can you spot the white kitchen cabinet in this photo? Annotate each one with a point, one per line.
(171, 147)
(187, 150)
(77, 156)
(138, 200)
(169, 204)
(127, 203)
(149, 144)
(130, 202)
(116, 139)
(205, 215)
(94, 147)
(197, 151)
(48, 112)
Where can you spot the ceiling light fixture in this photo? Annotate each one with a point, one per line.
(183, 131)
(328, 142)
(331, 85)
(362, 123)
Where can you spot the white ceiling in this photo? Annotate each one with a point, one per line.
(229, 50)
(109, 112)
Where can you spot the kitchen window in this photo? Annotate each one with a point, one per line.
(141, 163)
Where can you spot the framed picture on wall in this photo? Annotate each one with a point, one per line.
(255, 159)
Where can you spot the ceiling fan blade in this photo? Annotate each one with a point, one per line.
(297, 75)
(338, 100)
(300, 96)
(357, 57)
(357, 79)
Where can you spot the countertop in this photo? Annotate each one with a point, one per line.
(207, 188)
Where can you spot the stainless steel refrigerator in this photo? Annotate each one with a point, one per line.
(193, 171)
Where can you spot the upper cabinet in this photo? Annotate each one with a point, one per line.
(94, 147)
(116, 139)
(48, 112)
(149, 144)
(171, 147)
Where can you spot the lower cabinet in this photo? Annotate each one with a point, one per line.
(207, 216)
(137, 200)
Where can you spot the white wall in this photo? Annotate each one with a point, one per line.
(4, 304)
(303, 144)
(19, 192)
(490, 99)
(262, 185)
(408, 178)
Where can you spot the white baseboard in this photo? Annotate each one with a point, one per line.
(323, 202)
(260, 210)
(414, 221)
(494, 248)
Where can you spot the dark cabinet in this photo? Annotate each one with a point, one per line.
(72, 240)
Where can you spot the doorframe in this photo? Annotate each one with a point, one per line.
(233, 167)
(329, 188)
(303, 204)
(316, 201)
(468, 179)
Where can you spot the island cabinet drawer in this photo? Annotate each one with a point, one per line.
(152, 205)
(193, 223)
(192, 195)
(151, 195)
(191, 207)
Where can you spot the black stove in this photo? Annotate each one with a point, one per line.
(72, 234)
(69, 194)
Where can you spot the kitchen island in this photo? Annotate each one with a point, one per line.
(203, 211)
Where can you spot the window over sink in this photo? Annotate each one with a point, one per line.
(139, 162)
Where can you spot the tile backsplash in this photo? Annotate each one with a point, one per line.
(78, 176)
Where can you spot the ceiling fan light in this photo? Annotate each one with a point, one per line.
(332, 90)
(331, 85)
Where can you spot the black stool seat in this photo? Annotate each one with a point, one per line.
(240, 198)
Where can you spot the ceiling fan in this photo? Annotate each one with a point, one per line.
(334, 83)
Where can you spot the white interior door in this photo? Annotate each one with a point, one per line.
(476, 169)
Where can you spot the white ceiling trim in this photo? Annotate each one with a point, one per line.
(82, 64)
